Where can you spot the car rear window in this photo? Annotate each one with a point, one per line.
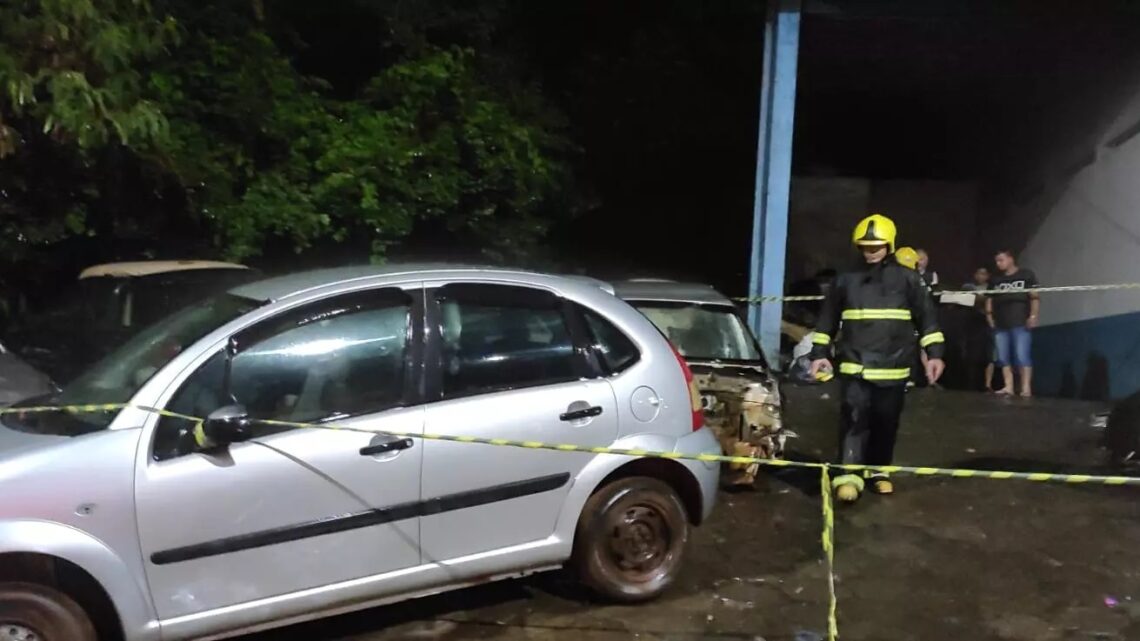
(703, 332)
(615, 350)
(498, 338)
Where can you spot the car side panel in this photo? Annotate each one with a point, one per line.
(520, 415)
(707, 473)
(363, 593)
(657, 370)
(75, 501)
(602, 465)
(434, 577)
(105, 565)
(276, 490)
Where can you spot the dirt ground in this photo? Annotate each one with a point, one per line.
(942, 560)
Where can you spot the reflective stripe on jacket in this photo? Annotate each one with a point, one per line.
(871, 316)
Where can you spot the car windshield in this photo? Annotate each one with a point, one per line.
(92, 301)
(703, 332)
(116, 378)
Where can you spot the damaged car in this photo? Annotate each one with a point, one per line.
(109, 304)
(740, 396)
(20, 381)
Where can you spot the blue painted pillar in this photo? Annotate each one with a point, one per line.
(774, 171)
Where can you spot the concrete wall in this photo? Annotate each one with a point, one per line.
(939, 216)
(1084, 228)
(820, 216)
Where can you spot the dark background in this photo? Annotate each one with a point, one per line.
(661, 99)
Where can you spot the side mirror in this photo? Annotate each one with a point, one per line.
(229, 424)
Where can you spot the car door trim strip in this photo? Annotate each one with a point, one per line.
(363, 519)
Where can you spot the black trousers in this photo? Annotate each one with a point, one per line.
(868, 421)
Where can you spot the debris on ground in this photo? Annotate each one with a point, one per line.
(734, 604)
(1023, 627)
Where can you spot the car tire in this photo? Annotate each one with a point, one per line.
(631, 539)
(31, 611)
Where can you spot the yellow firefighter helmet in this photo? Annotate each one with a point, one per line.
(875, 229)
(907, 257)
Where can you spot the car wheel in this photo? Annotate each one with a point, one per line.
(30, 612)
(630, 540)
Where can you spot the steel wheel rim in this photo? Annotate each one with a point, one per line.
(640, 542)
(16, 632)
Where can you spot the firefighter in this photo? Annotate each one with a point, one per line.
(879, 305)
(907, 257)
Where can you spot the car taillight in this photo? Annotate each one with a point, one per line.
(694, 393)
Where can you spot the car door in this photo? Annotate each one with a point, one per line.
(292, 508)
(508, 362)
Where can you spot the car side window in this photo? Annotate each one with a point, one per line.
(200, 395)
(496, 338)
(615, 350)
(327, 362)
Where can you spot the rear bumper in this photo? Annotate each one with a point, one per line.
(707, 473)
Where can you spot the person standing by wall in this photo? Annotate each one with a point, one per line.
(1013, 316)
(930, 280)
(929, 276)
(989, 354)
(981, 283)
(880, 304)
(908, 257)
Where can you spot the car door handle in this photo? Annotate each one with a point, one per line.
(386, 446)
(577, 415)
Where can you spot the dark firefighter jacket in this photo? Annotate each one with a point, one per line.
(871, 316)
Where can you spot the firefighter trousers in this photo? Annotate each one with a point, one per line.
(868, 421)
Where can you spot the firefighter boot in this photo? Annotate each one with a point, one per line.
(847, 488)
(881, 484)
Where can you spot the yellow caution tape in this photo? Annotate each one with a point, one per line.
(829, 552)
(986, 292)
(567, 447)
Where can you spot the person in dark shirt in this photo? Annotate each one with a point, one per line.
(1013, 317)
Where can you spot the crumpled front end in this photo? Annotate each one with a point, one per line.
(742, 406)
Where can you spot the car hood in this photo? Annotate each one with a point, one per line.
(19, 380)
(14, 442)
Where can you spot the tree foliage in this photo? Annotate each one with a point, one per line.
(71, 68)
(71, 86)
(188, 124)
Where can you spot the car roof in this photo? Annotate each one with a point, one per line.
(151, 267)
(289, 285)
(669, 291)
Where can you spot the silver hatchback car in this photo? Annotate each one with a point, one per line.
(141, 524)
